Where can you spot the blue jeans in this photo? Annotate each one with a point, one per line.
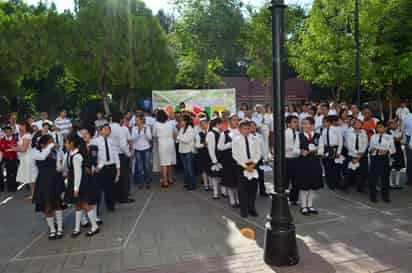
(189, 170)
(142, 169)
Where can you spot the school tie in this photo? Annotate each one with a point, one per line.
(107, 150)
(380, 139)
(327, 137)
(57, 138)
(357, 142)
(294, 135)
(310, 137)
(247, 147)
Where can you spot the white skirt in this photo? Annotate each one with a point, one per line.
(27, 171)
(167, 152)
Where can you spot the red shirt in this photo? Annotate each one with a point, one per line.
(6, 144)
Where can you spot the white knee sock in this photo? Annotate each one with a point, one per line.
(311, 196)
(78, 216)
(92, 219)
(95, 213)
(303, 197)
(84, 219)
(215, 184)
(59, 220)
(397, 178)
(236, 196)
(224, 190)
(50, 223)
(391, 179)
(232, 198)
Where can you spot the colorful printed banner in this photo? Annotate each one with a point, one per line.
(206, 100)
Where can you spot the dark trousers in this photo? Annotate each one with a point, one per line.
(11, 170)
(123, 186)
(357, 177)
(332, 173)
(107, 177)
(247, 190)
(99, 188)
(261, 180)
(409, 160)
(1, 176)
(291, 171)
(379, 169)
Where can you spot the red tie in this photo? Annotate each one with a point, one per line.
(310, 137)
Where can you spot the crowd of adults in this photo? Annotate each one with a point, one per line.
(66, 161)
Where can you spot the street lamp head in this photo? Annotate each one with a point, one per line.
(277, 4)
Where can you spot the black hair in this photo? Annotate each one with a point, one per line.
(117, 117)
(215, 122)
(188, 120)
(77, 142)
(290, 118)
(43, 140)
(311, 120)
(244, 123)
(27, 126)
(380, 123)
(161, 116)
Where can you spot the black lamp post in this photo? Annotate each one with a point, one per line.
(357, 48)
(280, 236)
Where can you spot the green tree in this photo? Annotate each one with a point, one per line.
(205, 39)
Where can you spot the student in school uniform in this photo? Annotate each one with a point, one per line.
(229, 180)
(7, 144)
(81, 189)
(260, 141)
(356, 143)
(247, 153)
(292, 154)
(108, 166)
(309, 178)
(57, 136)
(142, 143)
(215, 165)
(49, 185)
(331, 144)
(381, 148)
(398, 159)
(203, 159)
(90, 158)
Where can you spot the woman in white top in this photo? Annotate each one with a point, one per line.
(27, 171)
(142, 137)
(164, 132)
(186, 139)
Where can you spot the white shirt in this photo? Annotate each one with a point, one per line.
(120, 137)
(211, 145)
(186, 140)
(385, 144)
(221, 145)
(39, 123)
(43, 154)
(101, 154)
(241, 114)
(350, 142)
(259, 140)
(292, 143)
(58, 138)
(318, 122)
(335, 138)
(407, 125)
(141, 139)
(239, 151)
(64, 125)
(76, 162)
(402, 112)
(198, 144)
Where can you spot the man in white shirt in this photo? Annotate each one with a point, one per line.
(246, 152)
(402, 112)
(43, 119)
(108, 165)
(63, 123)
(121, 139)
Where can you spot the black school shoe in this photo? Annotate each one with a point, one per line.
(305, 211)
(76, 233)
(59, 234)
(52, 236)
(313, 211)
(91, 233)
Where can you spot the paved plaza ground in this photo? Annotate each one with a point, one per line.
(172, 230)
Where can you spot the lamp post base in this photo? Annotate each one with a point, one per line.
(280, 248)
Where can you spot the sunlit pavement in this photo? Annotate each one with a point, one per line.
(177, 231)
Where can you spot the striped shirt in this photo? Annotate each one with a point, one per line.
(64, 125)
